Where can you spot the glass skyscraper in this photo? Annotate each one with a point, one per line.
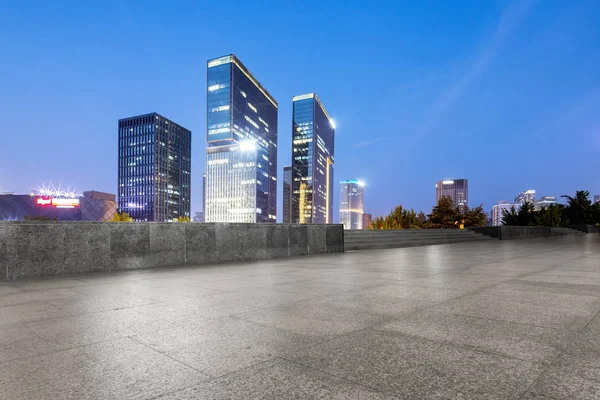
(154, 168)
(456, 189)
(241, 153)
(287, 194)
(312, 161)
(352, 204)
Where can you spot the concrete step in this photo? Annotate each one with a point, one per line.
(566, 232)
(410, 243)
(408, 232)
(416, 234)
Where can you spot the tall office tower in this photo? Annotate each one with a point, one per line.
(351, 204)
(287, 194)
(597, 198)
(241, 153)
(313, 133)
(154, 168)
(457, 190)
(367, 218)
(497, 211)
(545, 201)
(526, 196)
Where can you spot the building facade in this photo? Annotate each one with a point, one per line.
(525, 196)
(456, 189)
(241, 153)
(367, 218)
(313, 133)
(352, 204)
(154, 168)
(91, 206)
(498, 209)
(287, 194)
(545, 201)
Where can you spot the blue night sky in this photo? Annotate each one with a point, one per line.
(504, 93)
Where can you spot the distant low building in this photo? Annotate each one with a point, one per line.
(545, 201)
(497, 211)
(351, 204)
(367, 218)
(91, 206)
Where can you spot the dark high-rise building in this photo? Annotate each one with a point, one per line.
(456, 189)
(287, 194)
(312, 161)
(352, 204)
(154, 168)
(241, 156)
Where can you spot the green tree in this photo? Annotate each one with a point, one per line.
(552, 215)
(579, 209)
(183, 219)
(445, 214)
(377, 223)
(526, 214)
(510, 216)
(474, 216)
(122, 217)
(409, 219)
(422, 220)
(394, 219)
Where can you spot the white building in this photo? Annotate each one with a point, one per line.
(498, 208)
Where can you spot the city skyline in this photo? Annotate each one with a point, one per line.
(463, 82)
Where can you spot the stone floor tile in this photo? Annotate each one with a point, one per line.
(120, 369)
(421, 293)
(88, 304)
(319, 319)
(18, 341)
(243, 385)
(73, 331)
(261, 298)
(315, 288)
(194, 311)
(225, 345)
(525, 342)
(39, 295)
(411, 367)
(31, 311)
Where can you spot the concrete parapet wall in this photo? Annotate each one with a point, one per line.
(33, 249)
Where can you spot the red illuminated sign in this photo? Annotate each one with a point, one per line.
(43, 201)
(58, 203)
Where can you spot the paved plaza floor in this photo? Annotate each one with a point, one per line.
(484, 320)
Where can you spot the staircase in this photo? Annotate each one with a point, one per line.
(565, 232)
(388, 239)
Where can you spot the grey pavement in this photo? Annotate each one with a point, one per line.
(479, 320)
